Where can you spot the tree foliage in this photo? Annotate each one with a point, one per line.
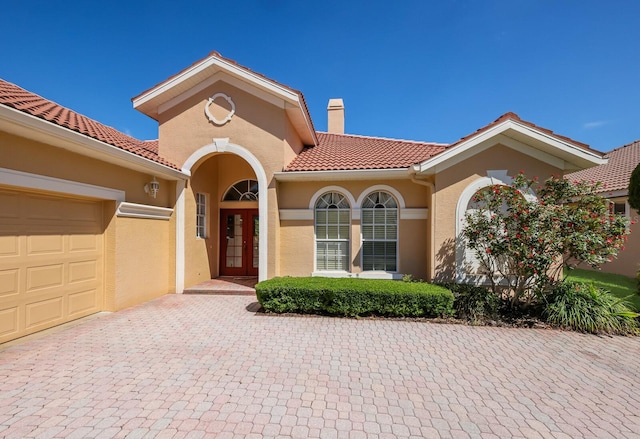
(523, 242)
(634, 189)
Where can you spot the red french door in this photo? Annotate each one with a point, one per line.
(239, 250)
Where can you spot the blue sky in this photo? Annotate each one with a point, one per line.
(422, 70)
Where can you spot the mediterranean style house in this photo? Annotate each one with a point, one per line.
(615, 175)
(238, 183)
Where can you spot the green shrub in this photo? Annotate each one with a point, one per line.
(354, 297)
(587, 308)
(474, 303)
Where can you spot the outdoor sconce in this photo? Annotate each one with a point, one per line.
(152, 188)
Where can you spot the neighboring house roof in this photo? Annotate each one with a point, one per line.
(617, 172)
(149, 101)
(30, 103)
(336, 152)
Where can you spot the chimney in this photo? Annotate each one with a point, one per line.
(335, 114)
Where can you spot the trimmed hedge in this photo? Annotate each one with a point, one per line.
(354, 297)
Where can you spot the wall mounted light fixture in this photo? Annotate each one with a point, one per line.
(152, 188)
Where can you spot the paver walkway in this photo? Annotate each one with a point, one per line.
(206, 366)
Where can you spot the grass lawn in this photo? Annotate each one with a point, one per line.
(618, 285)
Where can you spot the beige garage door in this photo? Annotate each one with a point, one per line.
(50, 261)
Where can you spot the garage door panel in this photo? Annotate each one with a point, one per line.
(45, 313)
(47, 276)
(43, 208)
(84, 242)
(83, 271)
(46, 243)
(9, 323)
(83, 212)
(9, 245)
(83, 302)
(9, 282)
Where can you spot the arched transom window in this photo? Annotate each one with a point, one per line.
(332, 224)
(379, 222)
(245, 190)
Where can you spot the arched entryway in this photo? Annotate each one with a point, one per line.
(229, 215)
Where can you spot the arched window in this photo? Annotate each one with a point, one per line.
(245, 190)
(332, 224)
(379, 222)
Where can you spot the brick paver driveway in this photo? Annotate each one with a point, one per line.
(206, 366)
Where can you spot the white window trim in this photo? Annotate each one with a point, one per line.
(231, 186)
(382, 274)
(315, 236)
(205, 216)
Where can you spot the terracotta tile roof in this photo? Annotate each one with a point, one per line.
(22, 100)
(617, 172)
(218, 55)
(350, 152)
(515, 117)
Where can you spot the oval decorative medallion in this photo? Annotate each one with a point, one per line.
(211, 117)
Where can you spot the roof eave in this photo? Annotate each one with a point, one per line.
(31, 127)
(344, 175)
(150, 101)
(557, 151)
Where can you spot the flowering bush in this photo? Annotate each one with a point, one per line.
(522, 242)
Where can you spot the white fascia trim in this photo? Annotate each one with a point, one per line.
(286, 94)
(616, 194)
(348, 175)
(133, 210)
(87, 146)
(414, 214)
(441, 160)
(296, 214)
(224, 77)
(27, 180)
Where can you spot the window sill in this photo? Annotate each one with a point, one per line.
(361, 275)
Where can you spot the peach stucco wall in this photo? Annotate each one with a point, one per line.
(628, 261)
(262, 129)
(451, 182)
(297, 237)
(139, 255)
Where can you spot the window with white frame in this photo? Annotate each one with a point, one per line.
(379, 223)
(245, 190)
(201, 215)
(332, 225)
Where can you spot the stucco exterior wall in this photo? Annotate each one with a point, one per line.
(628, 261)
(142, 260)
(25, 155)
(297, 237)
(451, 182)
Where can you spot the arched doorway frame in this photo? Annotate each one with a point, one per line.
(223, 145)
